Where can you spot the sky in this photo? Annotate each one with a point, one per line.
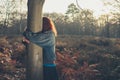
(56, 5)
(61, 6)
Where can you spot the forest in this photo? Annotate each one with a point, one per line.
(74, 22)
(87, 48)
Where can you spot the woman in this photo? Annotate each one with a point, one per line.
(46, 39)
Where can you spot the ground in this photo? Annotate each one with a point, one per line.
(78, 58)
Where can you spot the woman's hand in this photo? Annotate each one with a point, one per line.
(25, 40)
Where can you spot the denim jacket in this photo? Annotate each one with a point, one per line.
(47, 41)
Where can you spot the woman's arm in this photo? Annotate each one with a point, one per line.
(41, 39)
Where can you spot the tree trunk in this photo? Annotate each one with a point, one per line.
(34, 68)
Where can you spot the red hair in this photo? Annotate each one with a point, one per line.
(48, 25)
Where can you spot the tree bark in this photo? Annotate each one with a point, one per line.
(34, 68)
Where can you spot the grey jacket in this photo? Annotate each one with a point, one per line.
(47, 41)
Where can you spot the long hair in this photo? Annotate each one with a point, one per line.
(48, 25)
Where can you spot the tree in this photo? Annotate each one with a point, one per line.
(72, 11)
(87, 21)
(34, 56)
(115, 4)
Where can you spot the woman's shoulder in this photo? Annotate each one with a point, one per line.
(50, 31)
(46, 34)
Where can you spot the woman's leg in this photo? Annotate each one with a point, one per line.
(50, 72)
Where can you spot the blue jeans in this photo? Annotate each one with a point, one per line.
(50, 73)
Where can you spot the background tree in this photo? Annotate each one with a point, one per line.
(75, 22)
(87, 21)
(72, 11)
(115, 4)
